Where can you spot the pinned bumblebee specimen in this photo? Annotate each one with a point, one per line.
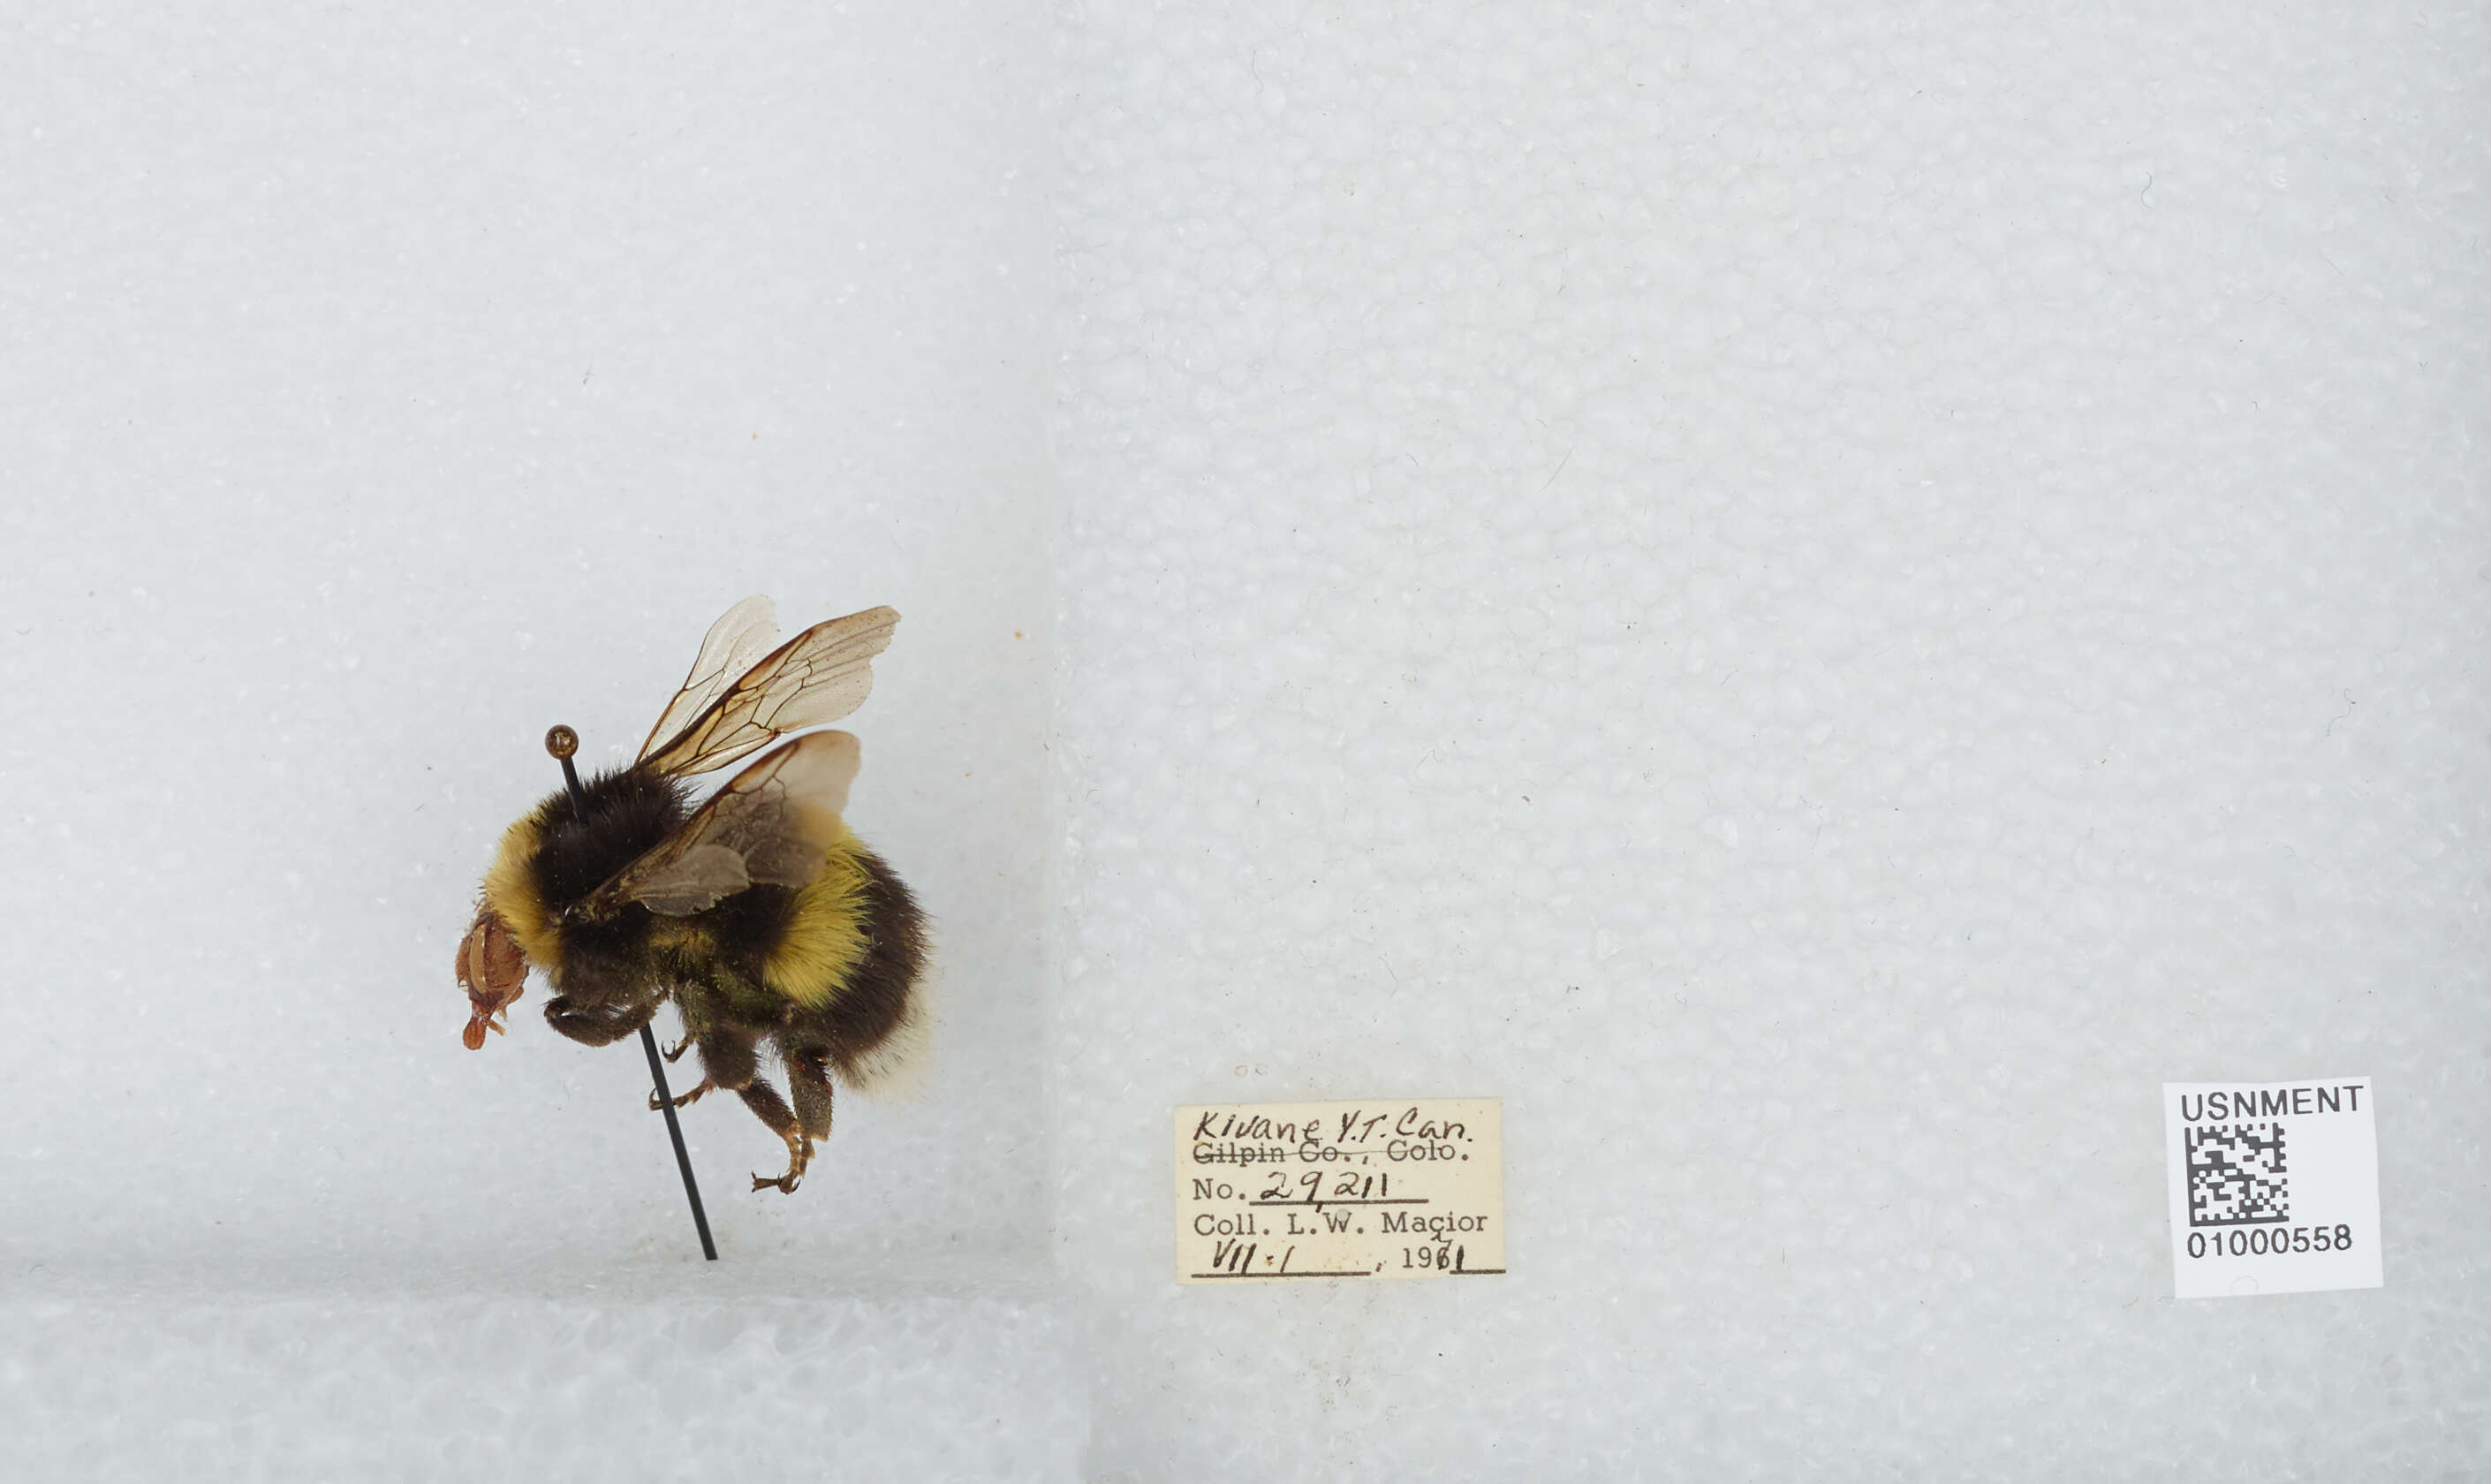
(765, 921)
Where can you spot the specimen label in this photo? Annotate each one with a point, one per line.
(2275, 1186)
(1388, 1188)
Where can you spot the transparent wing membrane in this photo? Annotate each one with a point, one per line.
(812, 679)
(742, 634)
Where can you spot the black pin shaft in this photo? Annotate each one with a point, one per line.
(675, 1132)
(562, 742)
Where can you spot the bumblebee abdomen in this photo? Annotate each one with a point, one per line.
(825, 932)
(877, 1027)
(850, 960)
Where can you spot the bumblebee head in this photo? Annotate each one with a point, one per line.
(494, 973)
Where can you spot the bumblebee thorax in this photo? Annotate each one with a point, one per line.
(618, 818)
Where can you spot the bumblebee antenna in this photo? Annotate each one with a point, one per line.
(562, 741)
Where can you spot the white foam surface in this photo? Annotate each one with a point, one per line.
(155, 1373)
(384, 387)
(1819, 601)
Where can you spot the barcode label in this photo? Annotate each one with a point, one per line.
(2274, 1187)
(2236, 1174)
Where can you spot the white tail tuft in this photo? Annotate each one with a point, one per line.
(897, 1068)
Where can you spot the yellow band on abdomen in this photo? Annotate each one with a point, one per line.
(827, 933)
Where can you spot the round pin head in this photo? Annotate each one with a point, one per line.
(562, 741)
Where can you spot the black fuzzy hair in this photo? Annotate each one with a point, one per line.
(622, 816)
(876, 998)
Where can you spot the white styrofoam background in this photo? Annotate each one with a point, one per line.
(382, 386)
(358, 433)
(1819, 600)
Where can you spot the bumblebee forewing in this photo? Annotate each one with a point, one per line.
(812, 679)
(773, 824)
(742, 634)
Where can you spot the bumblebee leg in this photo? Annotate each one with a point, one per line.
(727, 1059)
(732, 1062)
(808, 1085)
(675, 1052)
(682, 1100)
(597, 1023)
(771, 1109)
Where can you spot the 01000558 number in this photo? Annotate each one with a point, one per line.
(2259, 1241)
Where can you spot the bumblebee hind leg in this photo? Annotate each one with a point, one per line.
(771, 1109)
(808, 1083)
(730, 1061)
(808, 1079)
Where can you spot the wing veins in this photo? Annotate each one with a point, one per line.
(812, 679)
(771, 824)
(741, 635)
